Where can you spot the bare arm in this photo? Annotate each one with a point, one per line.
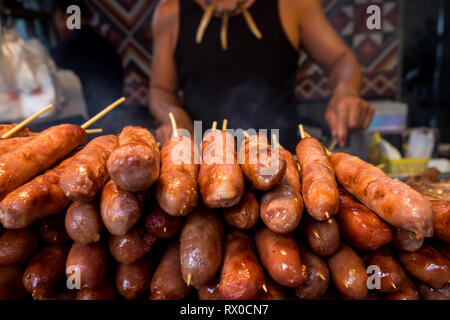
(163, 87)
(346, 111)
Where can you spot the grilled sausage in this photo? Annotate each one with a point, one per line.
(210, 290)
(405, 240)
(241, 277)
(391, 273)
(261, 165)
(441, 219)
(220, 178)
(360, 226)
(427, 265)
(53, 231)
(407, 291)
(201, 243)
(282, 207)
(106, 291)
(17, 246)
(44, 275)
(161, 224)
(83, 222)
(37, 199)
(120, 209)
(280, 256)
(272, 290)
(323, 237)
(317, 276)
(245, 214)
(135, 164)
(443, 248)
(392, 200)
(11, 286)
(429, 293)
(91, 261)
(167, 282)
(37, 155)
(177, 188)
(348, 273)
(132, 280)
(132, 246)
(319, 187)
(8, 145)
(86, 174)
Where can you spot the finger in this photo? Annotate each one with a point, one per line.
(364, 113)
(332, 122)
(342, 125)
(369, 117)
(354, 115)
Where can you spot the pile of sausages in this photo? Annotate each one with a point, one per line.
(119, 217)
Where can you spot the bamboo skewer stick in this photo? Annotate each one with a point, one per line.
(224, 125)
(246, 134)
(91, 131)
(11, 132)
(103, 113)
(264, 287)
(174, 125)
(214, 125)
(275, 140)
(189, 277)
(304, 134)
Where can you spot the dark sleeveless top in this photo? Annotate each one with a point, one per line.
(251, 84)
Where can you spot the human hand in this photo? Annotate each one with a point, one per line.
(347, 113)
(163, 133)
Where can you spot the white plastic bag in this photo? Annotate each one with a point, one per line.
(28, 79)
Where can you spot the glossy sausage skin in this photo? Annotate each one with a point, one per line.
(220, 178)
(317, 276)
(177, 188)
(106, 291)
(359, 225)
(427, 265)
(91, 260)
(167, 282)
(348, 273)
(210, 290)
(282, 207)
(11, 286)
(201, 246)
(407, 291)
(45, 273)
(132, 280)
(274, 291)
(39, 154)
(86, 174)
(8, 145)
(37, 199)
(245, 214)
(391, 274)
(135, 164)
(83, 222)
(441, 214)
(53, 231)
(443, 248)
(17, 246)
(132, 246)
(323, 237)
(161, 224)
(120, 209)
(319, 187)
(280, 256)
(429, 293)
(392, 200)
(261, 165)
(241, 277)
(406, 240)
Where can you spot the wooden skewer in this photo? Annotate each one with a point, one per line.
(204, 22)
(393, 286)
(316, 234)
(264, 287)
(320, 275)
(304, 134)
(165, 229)
(103, 113)
(174, 124)
(214, 125)
(277, 144)
(224, 125)
(189, 277)
(246, 134)
(332, 144)
(91, 131)
(11, 132)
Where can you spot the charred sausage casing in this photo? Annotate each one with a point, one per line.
(86, 174)
(39, 154)
(392, 200)
(177, 189)
(135, 164)
(319, 187)
(261, 164)
(220, 178)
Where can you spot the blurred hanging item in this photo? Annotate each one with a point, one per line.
(211, 9)
(27, 78)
